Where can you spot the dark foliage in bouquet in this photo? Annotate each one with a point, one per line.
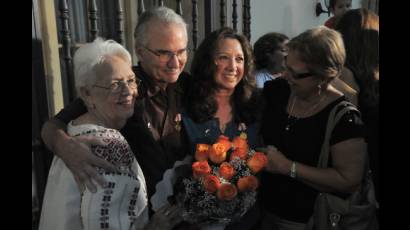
(222, 184)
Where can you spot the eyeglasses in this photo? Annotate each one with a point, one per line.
(166, 55)
(118, 86)
(299, 75)
(296, 75)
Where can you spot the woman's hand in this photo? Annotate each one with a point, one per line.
(277, 162)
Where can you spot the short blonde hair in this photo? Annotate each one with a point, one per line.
(322, 50)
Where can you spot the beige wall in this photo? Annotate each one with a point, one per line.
(290, 17)
(50, 55)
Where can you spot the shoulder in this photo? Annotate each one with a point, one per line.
(190, 123)
(261, 77)
(347, 107)
(183, 81)
(85, 128)
(347, 113)
(346, 89)
(143, 87)
(72, 111)
(274, 88)
(349, 124)
(277, 84)
(261, 73)
(330, 22)
(348, 77)
(339, 102)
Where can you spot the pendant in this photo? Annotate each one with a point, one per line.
(178, 122)
(287, 128)
(178, 126)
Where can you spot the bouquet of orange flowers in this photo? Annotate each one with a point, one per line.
(223, 184)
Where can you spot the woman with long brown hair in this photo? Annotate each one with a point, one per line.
(360, 32)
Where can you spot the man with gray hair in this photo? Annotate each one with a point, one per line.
(154, 131)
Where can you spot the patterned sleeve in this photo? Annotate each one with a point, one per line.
(349, 126)
(121, 203)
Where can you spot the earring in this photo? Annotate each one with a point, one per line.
(320, 89)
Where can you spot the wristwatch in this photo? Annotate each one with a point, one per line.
(293, 170)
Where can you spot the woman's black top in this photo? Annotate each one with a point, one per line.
(286, 197)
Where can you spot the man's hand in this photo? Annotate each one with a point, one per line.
(76, 154)
(165, 218)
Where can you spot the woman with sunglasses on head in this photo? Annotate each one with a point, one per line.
(294, 122)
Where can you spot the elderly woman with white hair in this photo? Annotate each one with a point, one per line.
(108, 86)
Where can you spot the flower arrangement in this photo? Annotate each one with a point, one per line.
(223, 183)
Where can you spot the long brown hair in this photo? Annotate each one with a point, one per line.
(360, 32)
(202, 87)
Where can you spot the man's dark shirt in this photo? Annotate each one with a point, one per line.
(152, 130)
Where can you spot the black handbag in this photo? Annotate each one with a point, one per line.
(358, 211)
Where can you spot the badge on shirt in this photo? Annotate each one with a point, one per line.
(242, 127)
(178, 122)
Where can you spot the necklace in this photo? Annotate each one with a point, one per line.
(295, 119)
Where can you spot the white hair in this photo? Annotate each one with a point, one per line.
(161, 14)
(88, 56)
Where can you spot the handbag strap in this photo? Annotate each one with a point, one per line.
(334, 117)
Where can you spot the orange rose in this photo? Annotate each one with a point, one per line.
(224, 140)
(257, 162)
(211, 183)
(226, 192)
(239, 152)
(202, 152)
(239, 142)
(247, 183)
(217, 153)
(226, 171)
(200, 168)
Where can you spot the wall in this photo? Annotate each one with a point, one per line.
(290, 17)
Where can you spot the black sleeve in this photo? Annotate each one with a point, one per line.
(72, 111)
(349, 126)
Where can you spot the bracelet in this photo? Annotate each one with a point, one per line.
(293, 170)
